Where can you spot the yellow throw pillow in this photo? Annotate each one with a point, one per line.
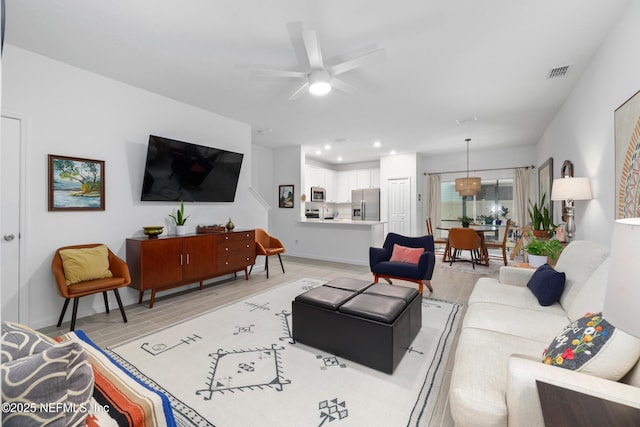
(85, 264)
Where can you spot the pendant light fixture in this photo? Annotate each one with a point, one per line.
(468, 186)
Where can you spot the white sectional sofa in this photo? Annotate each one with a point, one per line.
(505, 332)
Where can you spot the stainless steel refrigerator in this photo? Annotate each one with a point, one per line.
(365, 204)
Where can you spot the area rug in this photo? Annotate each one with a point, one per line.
(492, 270)
(238, 366)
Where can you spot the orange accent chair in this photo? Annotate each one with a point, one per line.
(121, 278)
(268, 245)
(465, 239)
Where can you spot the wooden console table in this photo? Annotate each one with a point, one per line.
(171, 261)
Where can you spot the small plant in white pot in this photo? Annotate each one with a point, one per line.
(179, 219)
(540, 251)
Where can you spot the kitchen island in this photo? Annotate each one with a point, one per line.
(340, 240)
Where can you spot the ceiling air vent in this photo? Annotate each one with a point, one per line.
(558, 72)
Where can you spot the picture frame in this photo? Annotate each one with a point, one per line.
(75, 184)
(545, 181)
(627, 158)
(285, 196)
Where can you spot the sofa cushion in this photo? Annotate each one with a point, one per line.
(590, 299)
(547, 284)
(85, 264)
(539, 325)
(479, 378)
(578, 261)
(594, 346)
(405, 254)
(61, 374)
(488, 289)
(19, 341)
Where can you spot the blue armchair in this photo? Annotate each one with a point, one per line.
(420, 273)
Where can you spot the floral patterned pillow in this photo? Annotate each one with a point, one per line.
(593, 346)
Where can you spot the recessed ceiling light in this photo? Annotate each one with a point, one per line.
(318, 152)
(392, 152)
(339, 158)
(377, 144)
(327, 147)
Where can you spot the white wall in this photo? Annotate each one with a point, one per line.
(583, 130)
(72, 112)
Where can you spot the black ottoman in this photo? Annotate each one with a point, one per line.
(373, 325)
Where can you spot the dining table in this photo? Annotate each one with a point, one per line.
(481, 230)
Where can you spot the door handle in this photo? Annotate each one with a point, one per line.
(9, 237)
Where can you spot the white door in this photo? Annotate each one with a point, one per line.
(400, 206)
(10, 219)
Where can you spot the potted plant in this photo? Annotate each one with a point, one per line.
(541, 251)
(541, 219)
(465, 220)
(504, 211)
(179, 219)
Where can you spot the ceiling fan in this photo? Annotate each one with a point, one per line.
(317, 74)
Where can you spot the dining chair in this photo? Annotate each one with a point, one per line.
(465, 239)
(436, 241)
(500, 245)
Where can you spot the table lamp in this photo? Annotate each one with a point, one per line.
(623, 289)
(570, 189)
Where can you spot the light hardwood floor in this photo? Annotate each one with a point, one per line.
(108, 329)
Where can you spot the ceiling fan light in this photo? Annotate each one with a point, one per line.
(319, 82)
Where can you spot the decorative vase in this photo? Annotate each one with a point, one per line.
(230, 225)
(181, 230)
(465, 225)
(537, 260)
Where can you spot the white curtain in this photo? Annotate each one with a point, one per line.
(521, 185)
(434, 201)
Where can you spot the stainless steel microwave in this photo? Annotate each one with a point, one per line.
(318, 194)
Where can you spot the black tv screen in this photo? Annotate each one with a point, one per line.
(177, 170)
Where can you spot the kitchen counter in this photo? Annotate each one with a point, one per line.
(341, 221)
(339, 239)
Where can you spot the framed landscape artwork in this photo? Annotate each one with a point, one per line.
(285, 196)
(76, 184)
(627, 152)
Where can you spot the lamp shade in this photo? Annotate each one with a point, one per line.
(623, 289)
(571, 189)
(468, 186)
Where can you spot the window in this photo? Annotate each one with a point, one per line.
(494, 195)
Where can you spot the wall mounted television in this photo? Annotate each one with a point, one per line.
(177, 170)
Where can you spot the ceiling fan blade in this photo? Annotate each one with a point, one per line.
(343, 86)
(299, 92)
(312, 46)
(270, 72)
(295, 34)
(359, 61)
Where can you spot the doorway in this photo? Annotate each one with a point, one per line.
(10, 216)
(400, 206)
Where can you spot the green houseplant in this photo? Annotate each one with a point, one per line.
(179, 219)
(541, 219)
(465, 220)
(545, 248)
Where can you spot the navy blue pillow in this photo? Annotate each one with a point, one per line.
(547, 284)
